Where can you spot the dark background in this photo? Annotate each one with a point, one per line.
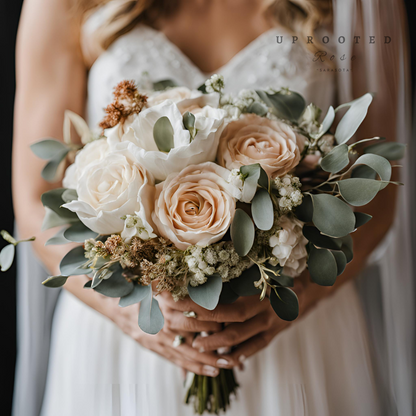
(9, 17)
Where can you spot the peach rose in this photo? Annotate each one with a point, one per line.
(253, 139)
(196, 206)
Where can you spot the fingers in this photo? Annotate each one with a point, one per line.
(234, 334)
(177, 321)
(241, 310)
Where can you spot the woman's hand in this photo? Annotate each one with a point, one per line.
(183, 355)
(250, 324)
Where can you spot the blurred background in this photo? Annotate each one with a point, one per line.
(9, 18)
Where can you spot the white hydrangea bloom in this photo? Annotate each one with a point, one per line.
(137, 226)
(215, 83)
(289, 246)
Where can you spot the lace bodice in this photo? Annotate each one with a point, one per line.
(145, 53)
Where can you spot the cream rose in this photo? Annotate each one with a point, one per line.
(139, 141)
(111, 189)
(196, 206)
(90, 154)
(253, 139)
(175, 94)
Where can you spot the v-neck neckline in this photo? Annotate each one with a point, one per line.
(241, 54)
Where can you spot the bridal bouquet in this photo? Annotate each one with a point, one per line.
(211, 196)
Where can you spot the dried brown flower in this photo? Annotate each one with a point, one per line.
(140, 249)
(127, 101)
(113, 244)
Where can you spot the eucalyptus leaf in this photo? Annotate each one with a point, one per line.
(208, 294)
(53, 200)
(52, 220)
(363, 171)
(96, 280)
(353, 118)
(286, 104)
(336, 160)
(163, 84)
(357, 191)
(361, 219)
(151, 319)
(257, 108)
(58, 238)
(7, 257)
(55, 281)
(50, 171)
(48, 149)
(378, 163)
(262, 210)
(116, 286)
(388, 150)
(327, 122)
(78, 233)
(347, 247)
(313, 235)
(244, 284)
(88, 284)
(251, 174)
(284, 303)
(69, 195)
(163, 134)
(332, 216)
(242, 232)
(280, 278)
(322, 266)
(73, 262)
(305, 210)
(228, 295)
(341, 260)
(189, 123)
(135, 296)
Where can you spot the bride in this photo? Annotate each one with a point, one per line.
(95, 360)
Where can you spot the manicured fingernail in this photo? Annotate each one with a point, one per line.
(242, 358)
(222, 363)
(223, 350)
(210, 371)
(204, 334)
(201, 350)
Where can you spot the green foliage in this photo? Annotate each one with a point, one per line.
(257, 108)
(208, 294)
(313, 235)
(73, 263)
(361, 219)
(326, 123)
(55, 281)
(332, 216)
(305, 210)
(151, 319)
(58, 238)
(164, 84)
(189, 123)
(353, 118)
(7, 257)
(78, 233)
(48, 149)
(285, 104)
(244, 284)
(228, 295)
(285, 303)
(242, 232)
(116, 286)
(50, 171)
(322, 266)
(163, 134)
(388, 150)
(254, 175)
(358, 192)
(262, 210)
(336, 160)
(53, 200)
(341, 260)
(135, 296)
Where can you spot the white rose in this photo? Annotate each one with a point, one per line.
(138, 139)
(110, 189)
(289, 246)
(90, 154)
(175, 94)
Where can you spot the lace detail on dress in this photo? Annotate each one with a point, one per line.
(146, 54)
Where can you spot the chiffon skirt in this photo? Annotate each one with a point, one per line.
(321, 365)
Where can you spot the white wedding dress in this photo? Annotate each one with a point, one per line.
(320, 366)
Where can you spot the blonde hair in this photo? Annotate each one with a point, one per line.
(301, 17)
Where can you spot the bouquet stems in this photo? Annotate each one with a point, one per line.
(210, 394)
